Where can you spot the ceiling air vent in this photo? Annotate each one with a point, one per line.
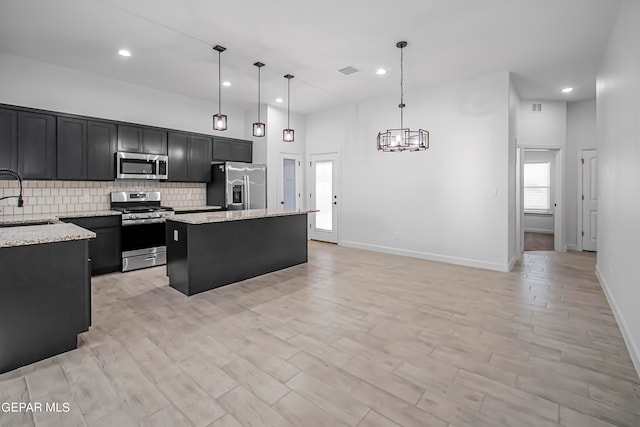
(536, 108)
(348, 70)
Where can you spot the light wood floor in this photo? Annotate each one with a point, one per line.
(353, 338)
(538, 241)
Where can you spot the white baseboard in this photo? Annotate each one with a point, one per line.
(513, 260)
(538, 230)
(431, 257)
(632, 346)
(572, 247)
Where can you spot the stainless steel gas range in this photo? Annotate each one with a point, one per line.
(143, 237)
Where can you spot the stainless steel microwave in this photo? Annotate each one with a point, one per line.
(141, 166)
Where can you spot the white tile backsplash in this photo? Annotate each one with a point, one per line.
(78, 196)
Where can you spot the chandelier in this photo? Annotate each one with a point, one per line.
(403, 138)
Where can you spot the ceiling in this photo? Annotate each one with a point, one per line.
(546, 44)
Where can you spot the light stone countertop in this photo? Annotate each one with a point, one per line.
(50, 217)
(38, 234)
(197, 208)
(211, 217)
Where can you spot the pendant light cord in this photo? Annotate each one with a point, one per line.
(219, 86)
(288, 101)
(259, 94)
(402, 88)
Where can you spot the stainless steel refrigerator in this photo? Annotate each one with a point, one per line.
(237, 186)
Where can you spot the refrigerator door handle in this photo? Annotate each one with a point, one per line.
(247, 189)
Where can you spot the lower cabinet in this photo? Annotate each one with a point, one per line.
(104, 250)
(45, 301)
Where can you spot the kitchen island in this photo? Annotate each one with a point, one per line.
(45, 291)
(213, 249)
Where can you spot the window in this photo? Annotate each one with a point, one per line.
(537, 187)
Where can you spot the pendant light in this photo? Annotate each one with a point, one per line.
(219, 120)
(287, 134)
(259, 127)
(403, 138)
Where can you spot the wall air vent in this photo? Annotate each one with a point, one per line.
(536, 108)
(348, 70)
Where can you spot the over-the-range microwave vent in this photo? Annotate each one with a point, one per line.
(536, 108)
(348, 70)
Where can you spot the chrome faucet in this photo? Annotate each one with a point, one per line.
(4, 171)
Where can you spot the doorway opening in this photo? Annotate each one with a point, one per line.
(541, 193)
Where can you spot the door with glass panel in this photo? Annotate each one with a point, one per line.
(324, 197)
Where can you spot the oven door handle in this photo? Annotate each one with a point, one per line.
(130, 222)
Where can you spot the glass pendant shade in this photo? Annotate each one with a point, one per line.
(259, 129)
(288, 135)
(219, 122)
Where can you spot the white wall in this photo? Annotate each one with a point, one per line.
(537, 222)
(35, 84)
(276, 121)
(618, 118)
(449, 203)
(581, 134)
(547, 128)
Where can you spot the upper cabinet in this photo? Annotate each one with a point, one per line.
(49, 145)
(138, 139)
(232, 150)
(8, 139)
(71, 149)
(189, 157)
(36, 145)
(101, 148)
(85, 150)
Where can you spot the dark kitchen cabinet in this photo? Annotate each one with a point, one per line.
(139, 139)
(232, 150)
(101, 148)
(189, 157)
(8, 139)
(199, 159)
(36, 145)
(85, 150)
(71, 149)
(178, 157)
(105, 250)
(46, 301)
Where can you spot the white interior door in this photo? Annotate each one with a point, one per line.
(289, 183)
(324, 197)
(589, 200)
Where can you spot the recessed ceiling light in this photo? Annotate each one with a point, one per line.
(567, 90)
(278, 99)
(226, 84)
(381, 72)
(124, 52)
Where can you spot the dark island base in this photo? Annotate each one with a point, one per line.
(45, 301)
(207, 256)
